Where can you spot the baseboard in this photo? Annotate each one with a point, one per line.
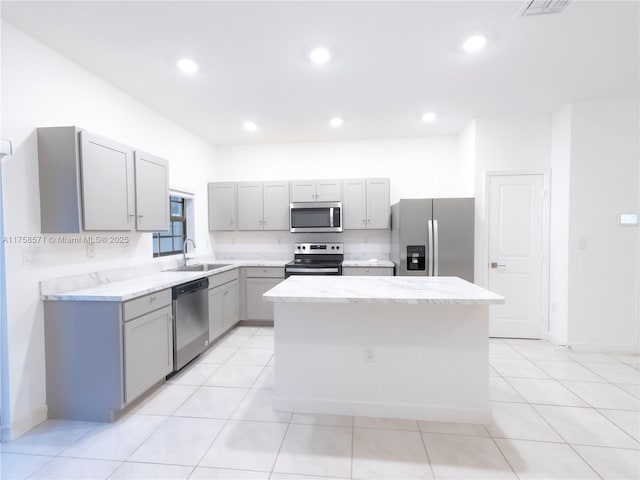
(384, 410)
(255, 323)
(557, 341)
(604, 348)
(22, 426)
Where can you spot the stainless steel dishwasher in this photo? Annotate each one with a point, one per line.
(190, 321)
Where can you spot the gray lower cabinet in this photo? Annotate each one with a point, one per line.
(148, 351)
(224, 303)
(259, 280)
(368, 271)
(101, 356)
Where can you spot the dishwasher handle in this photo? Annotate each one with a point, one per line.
(190, 287)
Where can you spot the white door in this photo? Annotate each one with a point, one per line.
(515, 254)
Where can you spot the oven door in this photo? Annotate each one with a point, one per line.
(316, 217)
(312, 270)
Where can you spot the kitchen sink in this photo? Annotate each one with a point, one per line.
(201, 267)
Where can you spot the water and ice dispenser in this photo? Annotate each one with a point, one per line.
(416, 257)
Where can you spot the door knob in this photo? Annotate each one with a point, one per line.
(496, 265)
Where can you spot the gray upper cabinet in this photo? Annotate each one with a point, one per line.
(366, 203)
(152, 192)
(88, 183)
(222, 206)
(316, 191)
(263, 206)
(250, 206)
(107, 183)
(275, 206)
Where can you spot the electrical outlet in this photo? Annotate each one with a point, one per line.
(30, 255)
(369, 355)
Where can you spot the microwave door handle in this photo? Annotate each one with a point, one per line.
(331, 217)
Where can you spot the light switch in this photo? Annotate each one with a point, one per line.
(628, 219)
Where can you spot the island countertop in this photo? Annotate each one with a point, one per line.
(413, 290)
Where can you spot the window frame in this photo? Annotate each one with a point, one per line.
(157, 236)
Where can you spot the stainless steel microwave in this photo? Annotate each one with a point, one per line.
(316, 217)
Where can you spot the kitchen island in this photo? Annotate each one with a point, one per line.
(398, 347)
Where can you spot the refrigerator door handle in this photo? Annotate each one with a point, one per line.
(430, 247)
(435, 248)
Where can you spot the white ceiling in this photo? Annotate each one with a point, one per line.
(392, 61)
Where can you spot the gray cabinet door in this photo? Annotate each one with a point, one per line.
(368, 271)
(148, 351)
(276, 206)
(216, 312)
(107, 184)
(231, 304)
(152, 192)
(354, 208)
(250, 206)
(378, 206)
(328, 191)
(222, 206)
(303, 191)
(257, 307)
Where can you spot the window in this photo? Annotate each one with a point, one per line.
(171, 241)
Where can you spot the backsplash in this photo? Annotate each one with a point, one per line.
(278, 245)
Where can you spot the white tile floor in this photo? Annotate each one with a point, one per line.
(556, 415)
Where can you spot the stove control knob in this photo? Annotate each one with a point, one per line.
(304, 247)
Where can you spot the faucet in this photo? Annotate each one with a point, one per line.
(184, 251)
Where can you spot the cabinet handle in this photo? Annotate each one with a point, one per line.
(152, 298)
(368, 220)
(140, 216)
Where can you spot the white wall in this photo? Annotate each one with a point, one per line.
(41, 88)
(507, 143)
(559, 228)
(417, 167)
(603, 256)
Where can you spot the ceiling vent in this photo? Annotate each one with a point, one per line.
(538, 7)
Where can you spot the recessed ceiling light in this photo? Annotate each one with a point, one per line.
(187, 66)
(336, 122)
(429, 117)
(320, 55)
(474, 43)
(250, 126)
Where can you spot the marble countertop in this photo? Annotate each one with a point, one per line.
(123, 290)
(415, 290)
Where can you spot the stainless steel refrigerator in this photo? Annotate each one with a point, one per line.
(433, 237)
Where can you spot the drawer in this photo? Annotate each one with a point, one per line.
(141, 305)
(222, 278)
(370, 271)
(267, 272)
